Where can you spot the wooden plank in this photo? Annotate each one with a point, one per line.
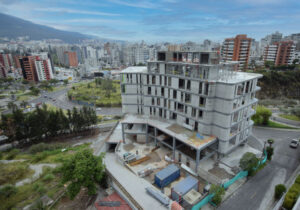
(139, 161)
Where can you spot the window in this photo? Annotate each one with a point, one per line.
(188, 85)
(174, 116)
(147, 79)
(153, 80)
(158, 101)
(163, 91)
(187, 121)
(149, 90)
(206, 89)
(169, 81)
(193, 112)
(153, 103)
(202, 101)
(200, 88)
(204, 58)
(200, 114)
(187, 98)
(180, 107)
(181, 83)
(174, 94)
(123, 89)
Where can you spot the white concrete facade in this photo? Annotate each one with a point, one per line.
(202, 95)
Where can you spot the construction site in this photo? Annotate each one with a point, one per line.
(146, 173)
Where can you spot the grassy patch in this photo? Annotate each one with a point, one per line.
(92, 93)
(290, 117)
(29, 193)
(13, 172)
(272, 124)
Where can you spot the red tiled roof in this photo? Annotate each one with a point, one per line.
(113, 197)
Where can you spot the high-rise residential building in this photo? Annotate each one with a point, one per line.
(70, 59)
(190, 103)
(281, 53)
(28, 68)
(43, 69)
(237, 49)
(3, 71)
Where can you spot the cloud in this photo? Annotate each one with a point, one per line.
(139, 4)
(74, 11)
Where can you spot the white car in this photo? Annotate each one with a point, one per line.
(294, 143)
(98, 109)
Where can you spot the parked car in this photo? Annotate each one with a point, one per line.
(294, 143)
(98, 109)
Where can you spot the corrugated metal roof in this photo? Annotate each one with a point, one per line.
(167, 171)
(185, 185)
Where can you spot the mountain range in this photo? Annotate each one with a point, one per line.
(13, 27)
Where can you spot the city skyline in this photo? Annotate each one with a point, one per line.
(164, 20)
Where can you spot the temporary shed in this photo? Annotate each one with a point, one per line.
(183, 187)
(167, 175)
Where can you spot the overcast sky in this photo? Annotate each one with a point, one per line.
(162, 20)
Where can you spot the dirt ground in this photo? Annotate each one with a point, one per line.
(220, 172)
(81, 201)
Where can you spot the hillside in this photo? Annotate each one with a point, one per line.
(13, 27)
(279, 84)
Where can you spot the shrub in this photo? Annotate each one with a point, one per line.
(248, 162)
(292, 195)
(8, 190)
(279, 190)
(219, 192)
(48, 177)
(12, 154)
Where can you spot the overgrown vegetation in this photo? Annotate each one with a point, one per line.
(13, 172)
(43, 123)
(292, 194)
(49, 182)
(278, 84)
(101, 92)
(219, 192)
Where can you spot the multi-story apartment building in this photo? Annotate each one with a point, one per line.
(190, 103)
(28, 68)
(71, 59)
(281, 53)
(43, 69)
(237, 49)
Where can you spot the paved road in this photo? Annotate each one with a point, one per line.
(258, 191)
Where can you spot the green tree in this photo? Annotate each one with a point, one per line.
(66, 82)
(262, 115)
(248, 162)
(219, 192)
(83, 170)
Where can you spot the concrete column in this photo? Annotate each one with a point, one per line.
(147, 135)
(155, 135)
(123, 134)
(197, 160)
(174, 147)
